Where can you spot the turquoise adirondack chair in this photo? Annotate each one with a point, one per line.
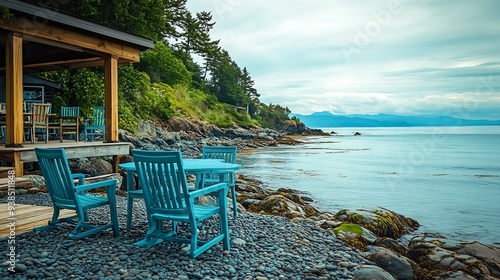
(97, 127)
(228, 154)
(167, 198)
(65, 195)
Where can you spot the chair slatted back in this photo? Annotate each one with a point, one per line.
(98, 116)
(55, 168)
(68, 112)
(40, 113)
(163, 181)
(226, 153)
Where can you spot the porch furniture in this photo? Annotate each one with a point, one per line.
(65, 195)
(38, 121)
(96, 126)
(191, 166)
(69, 122)
(228, 154)
(27, 132)
(163, 180)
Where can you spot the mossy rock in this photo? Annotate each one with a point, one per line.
(352, 235)
(382, 222)
(352, 228)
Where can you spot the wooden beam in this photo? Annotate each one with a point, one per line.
(111, 99)
(71, 38)
(14, 89)
(98, 150)
(82, 61)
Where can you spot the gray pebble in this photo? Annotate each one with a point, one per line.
(262, 247)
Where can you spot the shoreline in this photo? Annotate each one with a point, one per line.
(246, 140)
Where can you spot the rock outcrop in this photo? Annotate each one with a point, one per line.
(376, 232)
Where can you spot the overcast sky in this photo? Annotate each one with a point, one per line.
(365, 56)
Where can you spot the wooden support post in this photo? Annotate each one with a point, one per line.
(18, 164)
(111, 99)
(14, 89)
(116, 162)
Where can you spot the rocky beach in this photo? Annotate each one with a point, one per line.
(279, 234)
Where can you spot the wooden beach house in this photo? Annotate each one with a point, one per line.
(37, 39)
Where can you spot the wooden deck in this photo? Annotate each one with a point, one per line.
(26, 217)
(18, 155)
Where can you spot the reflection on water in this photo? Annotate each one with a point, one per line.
(446, 178)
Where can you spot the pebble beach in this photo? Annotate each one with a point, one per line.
(262, 247)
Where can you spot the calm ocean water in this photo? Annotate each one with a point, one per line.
(447, 178)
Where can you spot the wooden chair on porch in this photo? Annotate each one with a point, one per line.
(65, 195)
(96, 126)
(163, 181)
(69, 122)
(38, 121)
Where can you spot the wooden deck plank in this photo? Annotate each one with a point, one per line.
(27, 217)
(19, 155)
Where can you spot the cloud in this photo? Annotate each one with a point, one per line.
(394, 56)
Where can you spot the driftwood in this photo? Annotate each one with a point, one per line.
(21, 183)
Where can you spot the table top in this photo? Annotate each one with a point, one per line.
(195, 165)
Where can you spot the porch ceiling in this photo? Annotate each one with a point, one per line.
(53, 40)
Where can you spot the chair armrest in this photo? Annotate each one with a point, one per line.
(80, 177)
(106, 184)
(211, 189)
(86, 120)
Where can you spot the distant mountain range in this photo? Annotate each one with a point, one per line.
(327, 119)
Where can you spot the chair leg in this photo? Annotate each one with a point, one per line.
(130, 202)
(51, 224)
(235, 202)
(224, 228)
(151, 238)
(114, 218)
(78, 227)
(194, 240)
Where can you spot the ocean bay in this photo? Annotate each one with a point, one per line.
(447, 178)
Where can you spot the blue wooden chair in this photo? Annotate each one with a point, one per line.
(69, 122)
(27, 132)
(97, 127)
(65, 195)
(228, 154)
(167, 198)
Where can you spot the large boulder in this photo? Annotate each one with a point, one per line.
(279, 205)
(438, 257)
(95, 167)
(371, 272)
(489, 255)
(354, 235)
(382, 222)
(397, 266)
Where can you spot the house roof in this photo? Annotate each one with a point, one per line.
(54, 17)
(53, 40)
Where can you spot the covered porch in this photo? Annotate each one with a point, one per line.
(37, 39)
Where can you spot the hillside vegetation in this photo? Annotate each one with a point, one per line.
(167, 82)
